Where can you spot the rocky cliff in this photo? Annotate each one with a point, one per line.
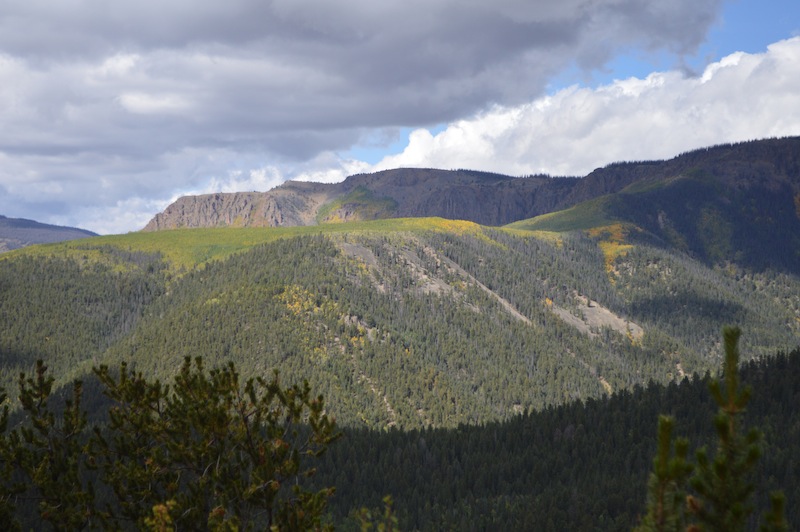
(485, 198)
(290, 204)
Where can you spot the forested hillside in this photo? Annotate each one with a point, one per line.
(736, 204)
(209, 450)
(580, 466)
(397, 323)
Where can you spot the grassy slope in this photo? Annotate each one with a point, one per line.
(188, 248)
(363, 204)
(587, 215)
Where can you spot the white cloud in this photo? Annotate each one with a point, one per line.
(120, 217)
(142, 103)
(741, 97)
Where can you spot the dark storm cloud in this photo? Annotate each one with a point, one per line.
(336, 55)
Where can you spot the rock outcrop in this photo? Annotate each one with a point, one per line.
(489, 199)
(290, 204)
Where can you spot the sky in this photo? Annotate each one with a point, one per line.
(109, 111)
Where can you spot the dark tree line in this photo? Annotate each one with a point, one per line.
(579, 466)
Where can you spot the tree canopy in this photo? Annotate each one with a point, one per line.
(205, 452)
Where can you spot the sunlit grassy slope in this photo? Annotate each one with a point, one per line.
(363, 204)
(187, 248)
(586, 215)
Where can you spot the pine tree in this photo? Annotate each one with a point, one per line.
(722, 484)
(46, 456)
(204, 453)
(666, 492)
(209, 453)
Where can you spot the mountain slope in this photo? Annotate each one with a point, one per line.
(17, 232)
(409, 322)
(731, 204)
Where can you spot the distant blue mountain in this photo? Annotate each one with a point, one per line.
(19, 232)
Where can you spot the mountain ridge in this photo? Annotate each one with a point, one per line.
(404, 322)
(735, 204)
(409, 325)
(482, 197)
(16, 233)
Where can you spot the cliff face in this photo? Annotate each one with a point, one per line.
(289, 205)
(482, 197)
(488, 199)
(496, 203)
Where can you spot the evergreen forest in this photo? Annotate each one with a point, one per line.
(439, 326)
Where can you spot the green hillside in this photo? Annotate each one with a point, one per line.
(407, 323)
(184, 249)
(586, 215)
(756, 225)
(360, 204)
